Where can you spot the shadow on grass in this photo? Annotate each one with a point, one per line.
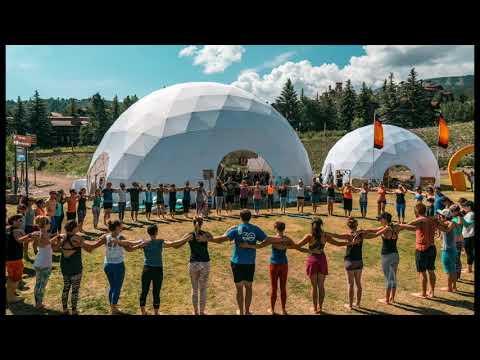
(93, 234)
(22, 308)
(419, 309)
(465, 293)
(367, 311)
(455, 303)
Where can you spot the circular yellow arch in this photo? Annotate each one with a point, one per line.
(457, 179)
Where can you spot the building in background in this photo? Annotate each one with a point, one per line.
(66, 129)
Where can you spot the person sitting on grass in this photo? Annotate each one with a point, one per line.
(243, 260)
(278, 265)
(16, 238)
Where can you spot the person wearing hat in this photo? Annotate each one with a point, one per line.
(448, 254)
(468, 233)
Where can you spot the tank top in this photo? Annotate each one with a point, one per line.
(198, 249)
(331, 192)
(400, 198)
(257, 193)
(44, 257)
(347, 193)
(300, 191)
(71, 265)
(243, 192)
(219, 190)
(315, 188)
(82, 203)
(389, 245)
(354, 252)
(153, 253)
(59, 209)
(113, 252)
(160, 199)
(318, 245)
(14, 248)
(363, 196)
(186, 194)
(270, 189)
(448, 241)
(381, 194)
(279, 256)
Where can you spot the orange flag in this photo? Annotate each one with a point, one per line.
(377, 133)
(442, 132)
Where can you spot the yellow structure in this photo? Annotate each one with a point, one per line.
(457, 178)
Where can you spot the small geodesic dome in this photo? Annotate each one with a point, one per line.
(355, 152)
(173, 134)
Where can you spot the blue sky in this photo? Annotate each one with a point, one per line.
(80, 71)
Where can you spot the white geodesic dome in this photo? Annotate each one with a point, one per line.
(355, 152)
(172, 134)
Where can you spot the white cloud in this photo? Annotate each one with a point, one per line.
(214, 58)
(187, 51)
(277, 60)
(372, 68)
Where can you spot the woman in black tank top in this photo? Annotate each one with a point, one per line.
(390, 257)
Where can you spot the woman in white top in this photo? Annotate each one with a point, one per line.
(468, 233)
(300, 195)
(43, 261)
(114, 268)
(122, 201)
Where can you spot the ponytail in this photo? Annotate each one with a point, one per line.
(317, 231)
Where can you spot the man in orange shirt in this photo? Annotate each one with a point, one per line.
(426, 252)
(72, 201)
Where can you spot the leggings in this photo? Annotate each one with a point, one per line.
(199, 272)
(470, 249)
(243, 203)
(389, 267)
(96, 215)
(278, 272)
(151, 274)
(71, 281)
(41, 280)
(458, 260)
(115, 274)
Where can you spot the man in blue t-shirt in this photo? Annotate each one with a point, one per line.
(439, 198)
(243, 259)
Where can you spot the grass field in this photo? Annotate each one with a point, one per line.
(176, 290)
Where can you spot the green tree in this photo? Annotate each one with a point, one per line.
(72, 108)
(115, 109)
(19, 124)
(347, 107)
(365, 108)
(311, 115)
(39, 123)
(99, 121)
(288, 104)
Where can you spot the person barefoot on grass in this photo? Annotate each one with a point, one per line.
(363, 199)
(122, 201)
(347, 199)
(161, 201)
(425, 250)
(16, 239)
(218, 192)
(353, 260)
(381, 199)
(107, 202)
(43, 261)
(278, 265)
(134, 192)
(400, 203)
(153, 265)
(186, 200)
(70, 246)
(96, 208)
(330, 197)
(270, 192)
(449, 251)
(243, 260)
(201, 201)
(316, 190)
(283, 195)
(300, 187)
(390, 257)
(199, 265)
(82, 208)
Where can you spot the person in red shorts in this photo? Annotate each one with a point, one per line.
(14, 255)
(278, 265)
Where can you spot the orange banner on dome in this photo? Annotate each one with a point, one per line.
(377, 133)
(442, 132)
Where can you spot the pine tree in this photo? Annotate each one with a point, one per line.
(115, 109)
(72, 108)
(129, 101)
(288, 105)
(347, 107)
(19, 125)
(39, 123)
(365, 106)
(99, 120)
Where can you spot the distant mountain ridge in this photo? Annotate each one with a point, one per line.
(456, 84)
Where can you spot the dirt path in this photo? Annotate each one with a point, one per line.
(58, 181)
